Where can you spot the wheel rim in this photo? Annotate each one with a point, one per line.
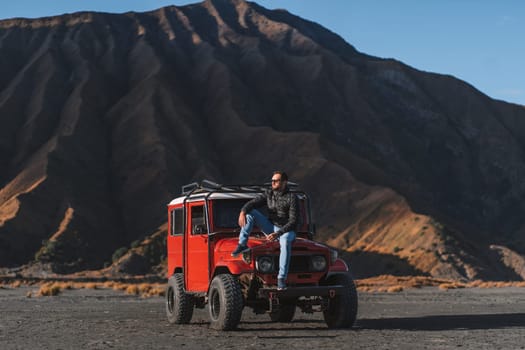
(171, 300)
(215, 304)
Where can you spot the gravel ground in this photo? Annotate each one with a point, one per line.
(426, 318)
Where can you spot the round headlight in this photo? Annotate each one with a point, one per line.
(265, 264)
(318, 263)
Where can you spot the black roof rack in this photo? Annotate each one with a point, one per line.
(206, 188)
(207, 185)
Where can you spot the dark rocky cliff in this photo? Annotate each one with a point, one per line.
(103, 117)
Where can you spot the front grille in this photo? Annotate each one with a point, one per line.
(298, 263)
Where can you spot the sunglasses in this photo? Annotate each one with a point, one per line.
(276, 180)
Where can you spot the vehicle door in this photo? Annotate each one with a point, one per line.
(196, 264)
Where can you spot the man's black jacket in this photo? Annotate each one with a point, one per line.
(282, 208)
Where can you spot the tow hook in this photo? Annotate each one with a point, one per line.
(331, 293)
(274, 301)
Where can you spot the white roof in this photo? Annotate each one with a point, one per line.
(219, 195)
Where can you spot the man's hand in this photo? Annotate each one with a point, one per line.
(272, 236)
(242, 219)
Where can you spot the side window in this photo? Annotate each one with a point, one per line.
(177, 221)
(198, 222)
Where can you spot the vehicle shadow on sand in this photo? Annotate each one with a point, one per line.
(423, 323)
(266, 326)
(445, 322)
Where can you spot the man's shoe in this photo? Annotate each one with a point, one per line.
(240, 249)
(281, 284)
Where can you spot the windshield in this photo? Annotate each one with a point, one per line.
(226, 213)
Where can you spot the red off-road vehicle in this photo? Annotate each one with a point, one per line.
(203, 231)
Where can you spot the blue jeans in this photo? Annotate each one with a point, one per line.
(255, 217)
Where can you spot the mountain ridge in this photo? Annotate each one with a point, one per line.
(105, 116)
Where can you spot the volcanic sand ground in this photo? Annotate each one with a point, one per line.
(426, 318)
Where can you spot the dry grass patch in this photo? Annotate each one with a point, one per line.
(49, 289)
(395, 289)
(452, 285)
(91, 285)
(120, 286)
(80, 285)
(145, 290)
(132, 289)
(108, 284)
(64, 285)
(16, 284)
(389, 283)
(154, 290)
(495, 284)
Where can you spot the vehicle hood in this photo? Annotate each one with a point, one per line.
(256, 244)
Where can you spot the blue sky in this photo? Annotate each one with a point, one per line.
(479, 41)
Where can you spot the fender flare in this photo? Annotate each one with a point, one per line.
(338, 267)
(233, 267)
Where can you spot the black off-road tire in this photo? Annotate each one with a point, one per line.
(225, 302)
(342, 309)
(285, 312)
(179, 304)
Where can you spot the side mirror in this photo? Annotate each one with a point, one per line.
(199, 229)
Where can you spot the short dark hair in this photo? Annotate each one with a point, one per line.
(284, 176)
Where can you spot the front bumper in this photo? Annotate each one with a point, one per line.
(295, 292)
